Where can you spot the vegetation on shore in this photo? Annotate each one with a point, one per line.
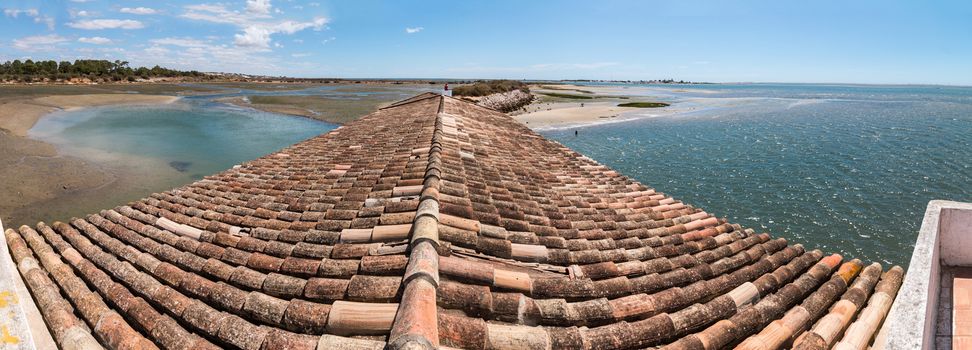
(644, 104)
(554, 87)
(506, 102)
(570, 96)
(485, 88)
(84, 70)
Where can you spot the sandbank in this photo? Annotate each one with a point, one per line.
(564, 114)
(19, 115)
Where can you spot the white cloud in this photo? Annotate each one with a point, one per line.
(81, 1)
(97, 40)
(261, 7)
(157, 51)
(138, 10)
(16, 12)
(81, 13)
(46, 20)
(191, 53)
(96, 24)
(413, 30)
(217, 13)
(291, 27)
(253, 36)
(181, 42)
(257, 28)
(38, 42)
(32, 13)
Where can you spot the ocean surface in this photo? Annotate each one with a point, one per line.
(843, 168)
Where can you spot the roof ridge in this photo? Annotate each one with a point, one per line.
(478, 105)
(416, 322)
(416, 98)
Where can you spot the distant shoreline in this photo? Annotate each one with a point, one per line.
(566, 106)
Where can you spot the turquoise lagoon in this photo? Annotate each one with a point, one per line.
(150, 149)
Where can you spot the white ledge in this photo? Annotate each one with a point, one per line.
(945, 239)
(26, 323)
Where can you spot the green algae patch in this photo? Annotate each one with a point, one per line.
(644, 104)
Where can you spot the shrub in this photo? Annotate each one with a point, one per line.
(484, 88)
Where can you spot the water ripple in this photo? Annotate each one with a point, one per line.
(851, 176)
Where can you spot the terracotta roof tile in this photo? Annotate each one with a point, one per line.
(435, 223)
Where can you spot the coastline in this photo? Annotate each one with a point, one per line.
(556, 115)
(596, 105)
(33, 171)
(18, 115)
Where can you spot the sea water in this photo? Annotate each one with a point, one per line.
(843, 168)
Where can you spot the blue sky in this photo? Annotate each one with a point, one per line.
(718, 41)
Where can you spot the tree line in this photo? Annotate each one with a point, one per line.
(94, 70)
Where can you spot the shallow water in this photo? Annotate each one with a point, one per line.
(195, 139)
(846, 169)
(156, 148)
(136, 151)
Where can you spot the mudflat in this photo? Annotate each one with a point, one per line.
(32, 171)
(37, 182)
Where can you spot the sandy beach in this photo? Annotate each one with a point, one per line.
(599, 105)
(32, 171)
(565, 114)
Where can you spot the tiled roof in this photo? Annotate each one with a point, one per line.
(436, 223)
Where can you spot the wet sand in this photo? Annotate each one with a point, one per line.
(279, 109)
(38, 183)
(32, 172)
(547, 112)
(566, 114)
(18, 115)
